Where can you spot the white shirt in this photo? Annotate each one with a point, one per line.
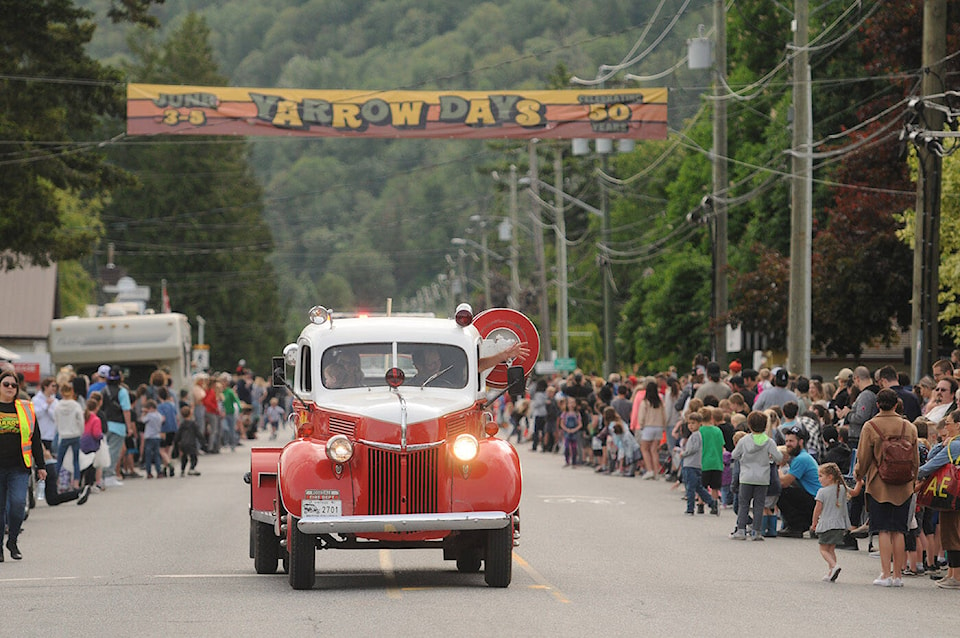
(44, 407)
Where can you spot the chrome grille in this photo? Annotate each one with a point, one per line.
(401, 483)
(339, 425)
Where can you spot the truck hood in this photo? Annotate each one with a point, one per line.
(382, 405)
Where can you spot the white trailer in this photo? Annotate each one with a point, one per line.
(137, 343)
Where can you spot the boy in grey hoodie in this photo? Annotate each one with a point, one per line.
(754, 453)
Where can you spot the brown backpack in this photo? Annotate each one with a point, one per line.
(895, 465)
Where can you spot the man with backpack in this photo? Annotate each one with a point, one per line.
(116, 408)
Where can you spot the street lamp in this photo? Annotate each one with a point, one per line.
(603, 148)
(560, 228)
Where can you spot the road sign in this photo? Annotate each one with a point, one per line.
(568, 364)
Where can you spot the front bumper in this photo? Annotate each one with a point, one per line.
(403, 523)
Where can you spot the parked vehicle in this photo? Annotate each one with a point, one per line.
(137, 343)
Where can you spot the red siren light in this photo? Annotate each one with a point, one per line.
(395, 377)
(464, 315)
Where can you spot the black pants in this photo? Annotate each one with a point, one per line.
(185, 456)
(51, 492)
(539, 423)
(796, 507)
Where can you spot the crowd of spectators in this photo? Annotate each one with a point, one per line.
(793, 456)
(94, 433)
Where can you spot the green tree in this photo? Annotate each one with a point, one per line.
(52, 98)
(667, 318)
(195, 218)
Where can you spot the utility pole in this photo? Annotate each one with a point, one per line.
(514, 242)
(609, 357)
(801, 213)
(720, 186)
(538, 246)
(924, 329)
(485, 261)
(563, 344)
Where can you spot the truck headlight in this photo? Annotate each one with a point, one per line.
(465, 447)
(339, 449)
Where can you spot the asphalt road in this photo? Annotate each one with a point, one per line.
(599, 555)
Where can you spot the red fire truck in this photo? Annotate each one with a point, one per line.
(396, 445)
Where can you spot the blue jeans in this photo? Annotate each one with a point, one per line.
(151, 455)
(14, 483)
(694, 486)
(68, 443)
(229, 426)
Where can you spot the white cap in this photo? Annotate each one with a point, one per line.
(103, 371)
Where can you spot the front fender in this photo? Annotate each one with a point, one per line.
(304, 465)
(493, 481)
(263, 478)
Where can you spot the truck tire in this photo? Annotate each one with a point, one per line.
(498, 563)
(266, 549)
(469, 561)
(303, 557)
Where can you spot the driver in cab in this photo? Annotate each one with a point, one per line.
(432, 371)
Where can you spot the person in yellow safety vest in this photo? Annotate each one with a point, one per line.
(21, 452)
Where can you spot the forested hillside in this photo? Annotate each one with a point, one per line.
(354, 222)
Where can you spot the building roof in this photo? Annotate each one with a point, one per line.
(29, 296)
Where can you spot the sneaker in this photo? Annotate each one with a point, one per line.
(909, 572)
(739, 535)
(84, 495)
(688, 513)
(649, 476)
(193, 473)
(700, 508)
(936, 576)
(786, 532)
(112, 481)
(883, 582)
(897, 582)
(948, 583)
(715, 510)
(98, 488)
(834, 573)
(757, 537)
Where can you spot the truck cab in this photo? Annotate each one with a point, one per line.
(394, 445)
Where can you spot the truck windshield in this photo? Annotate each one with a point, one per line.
(430, 365)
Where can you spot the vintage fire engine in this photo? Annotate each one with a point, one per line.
(395, 443)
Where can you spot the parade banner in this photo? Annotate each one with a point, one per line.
(154, 109)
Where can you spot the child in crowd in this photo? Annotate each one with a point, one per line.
(152, 424)
(753, 453)
(915, 540)
(711, 453)
(571, 423)
(692, 472)
(188, 439)
(273, 415)
(726, 480)
(830, 518)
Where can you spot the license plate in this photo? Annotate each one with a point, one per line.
(325, 507)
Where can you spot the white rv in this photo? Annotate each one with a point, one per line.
(137, 343)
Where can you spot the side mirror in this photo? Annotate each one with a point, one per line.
(515, 377)
(279, 372)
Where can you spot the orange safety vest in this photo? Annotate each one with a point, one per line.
(28, 419)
